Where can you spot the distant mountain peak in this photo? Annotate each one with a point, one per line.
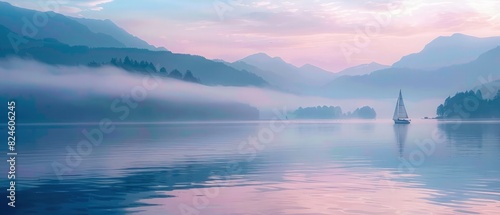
(263, 57)
(455, 38)
(362, 69)
(260, 55)
(108, 27)
(445, 51)
(307, 65)
(60, 27)
(375, 63)
(310, 66)
(283, 74)
(278, 58)
(369, 64)
(74, 30)
(219, 60)
(460, 35)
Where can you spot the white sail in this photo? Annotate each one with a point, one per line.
(396, 111)
(400, 112)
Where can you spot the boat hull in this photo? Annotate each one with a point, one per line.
(401, 121)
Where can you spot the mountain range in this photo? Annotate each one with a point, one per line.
(282, 75)
(418, 83)
(68, 30)
(446, 65)
(447, 51)
(363, 69)
(307, 75)
(90, 40)
(109, 28)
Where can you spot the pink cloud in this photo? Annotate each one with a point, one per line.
(310, 31)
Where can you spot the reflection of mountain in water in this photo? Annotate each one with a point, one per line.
(401, 131)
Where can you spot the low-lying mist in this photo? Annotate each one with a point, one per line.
(87, 91)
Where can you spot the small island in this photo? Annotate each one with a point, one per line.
(333, 112)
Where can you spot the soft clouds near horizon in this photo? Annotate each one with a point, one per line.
(301, 31)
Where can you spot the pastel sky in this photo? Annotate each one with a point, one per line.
(332, 34)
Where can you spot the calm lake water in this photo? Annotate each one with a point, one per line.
(256, 168)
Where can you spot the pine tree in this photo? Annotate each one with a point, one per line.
(189, 77)
(175, 74)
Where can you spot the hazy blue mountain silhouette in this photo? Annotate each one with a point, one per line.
(110, 28)
(362, 69)
(284, 75)
(59, 27)
(307, 74)
(448, 50)
(445, 66)
(275, 80)
(318, 74)
(417, 83)
(53, 52)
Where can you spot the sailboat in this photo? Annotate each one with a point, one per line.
(400, 114)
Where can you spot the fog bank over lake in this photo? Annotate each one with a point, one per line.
(22, 79)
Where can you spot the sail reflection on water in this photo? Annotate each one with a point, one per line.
(401, 132)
